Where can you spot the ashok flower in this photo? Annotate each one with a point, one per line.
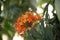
(36, 17)
(25, 21)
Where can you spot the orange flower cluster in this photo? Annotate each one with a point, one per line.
(25, 21)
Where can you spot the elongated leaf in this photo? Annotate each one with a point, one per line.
(49, 33)
(35, 34)
(28, 35)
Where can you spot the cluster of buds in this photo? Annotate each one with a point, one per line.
(25, 21)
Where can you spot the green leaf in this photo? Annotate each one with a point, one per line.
(35, 33)
(49, 33)
(28, 35)
(8, 28)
